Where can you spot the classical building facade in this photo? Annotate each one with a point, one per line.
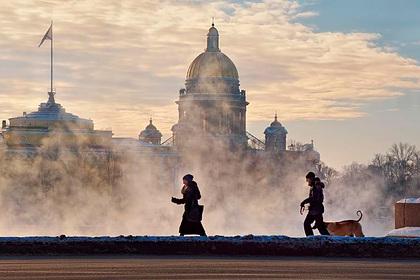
(31, 130)
(211, 105)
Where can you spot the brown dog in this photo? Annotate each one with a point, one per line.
(345, 228)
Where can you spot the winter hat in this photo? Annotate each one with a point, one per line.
(310, 175)
(188, 177)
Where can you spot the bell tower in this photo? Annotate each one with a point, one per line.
(275, 136)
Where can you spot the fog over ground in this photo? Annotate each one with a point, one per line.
(81, 192)
(129, 58)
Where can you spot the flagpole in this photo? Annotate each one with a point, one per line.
(52, 57)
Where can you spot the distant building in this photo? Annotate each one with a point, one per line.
(31, 130)
(275, 137)
(150, 134)
(211, 105)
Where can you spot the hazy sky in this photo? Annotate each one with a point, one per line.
(343, 73)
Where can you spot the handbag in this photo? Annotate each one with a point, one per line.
(195, 214)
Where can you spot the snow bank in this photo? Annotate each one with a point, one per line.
(405, 232)
(409, 200)
(248, 245)
(263, 239)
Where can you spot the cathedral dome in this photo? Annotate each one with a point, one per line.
(212, 65)
(212, 71)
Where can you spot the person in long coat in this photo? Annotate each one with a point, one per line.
(191, 223)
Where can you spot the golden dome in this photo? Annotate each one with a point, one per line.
(212, 64)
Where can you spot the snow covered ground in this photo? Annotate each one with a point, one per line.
(217, 238)
(405, 232)
(248, 245)
(409, 200)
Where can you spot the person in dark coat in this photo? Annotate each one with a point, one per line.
(191, 223)
(316, 207)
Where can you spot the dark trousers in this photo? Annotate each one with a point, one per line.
(319, 223)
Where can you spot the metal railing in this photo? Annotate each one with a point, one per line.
(168, 142)
(254, 142)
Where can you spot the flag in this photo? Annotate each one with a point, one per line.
(47, 36)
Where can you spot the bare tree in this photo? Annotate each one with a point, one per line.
(403, 157)
(400, 167)
(326, 173)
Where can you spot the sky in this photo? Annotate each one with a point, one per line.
(345, 74)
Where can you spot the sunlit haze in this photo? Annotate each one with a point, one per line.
(348, 82)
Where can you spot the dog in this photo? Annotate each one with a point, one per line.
(346, 228)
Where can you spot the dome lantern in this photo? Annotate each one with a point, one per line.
(213, 39)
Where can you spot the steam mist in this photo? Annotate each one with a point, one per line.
(80, 191)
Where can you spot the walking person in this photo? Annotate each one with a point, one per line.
(316, 207)
(191, 219)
